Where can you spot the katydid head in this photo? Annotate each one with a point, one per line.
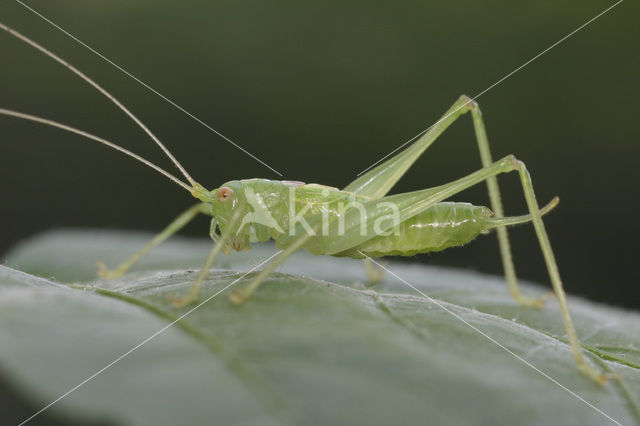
(231, 211)
(249, 210)
(227, 199)
(228, 202)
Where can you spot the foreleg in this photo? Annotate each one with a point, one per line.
(177, 224)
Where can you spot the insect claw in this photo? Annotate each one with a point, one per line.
(181, 302)
(539, 302)
(595, 375)
(238, 297)
(104, 272)
(532, 302)
(612, 376)
(374, 273)
(548, 295)
(102, 268)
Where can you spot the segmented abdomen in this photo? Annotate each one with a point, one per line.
(441, 226)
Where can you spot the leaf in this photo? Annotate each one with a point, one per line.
(314, 345)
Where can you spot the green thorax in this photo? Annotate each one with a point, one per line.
(268, 207)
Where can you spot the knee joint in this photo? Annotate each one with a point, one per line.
(513, 162)
(468, 102)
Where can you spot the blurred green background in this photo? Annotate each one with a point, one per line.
(320, 91)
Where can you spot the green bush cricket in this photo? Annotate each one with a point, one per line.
(360, 221)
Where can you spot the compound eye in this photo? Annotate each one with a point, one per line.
(225, 193)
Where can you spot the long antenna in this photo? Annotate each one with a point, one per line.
(104, 92)
(95, 138)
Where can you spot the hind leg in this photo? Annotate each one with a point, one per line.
(554, 274)
(496, 206)
(414, 202)
(376, 182)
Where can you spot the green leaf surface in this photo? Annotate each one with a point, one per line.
(314, 345)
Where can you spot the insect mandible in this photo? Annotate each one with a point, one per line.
(359, 221)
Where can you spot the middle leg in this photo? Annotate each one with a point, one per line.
(219, 245)
(411, 204)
